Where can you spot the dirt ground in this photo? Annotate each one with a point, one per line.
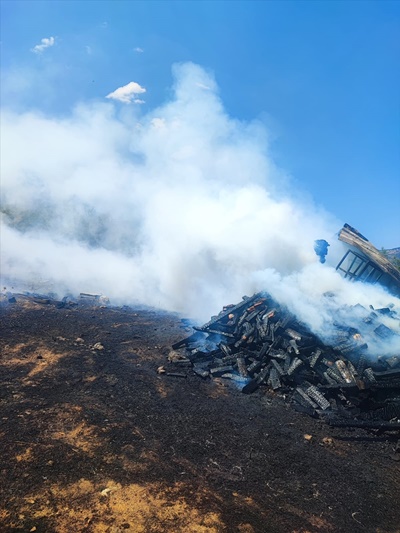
(92, 439)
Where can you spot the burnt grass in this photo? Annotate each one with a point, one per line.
(95, 440)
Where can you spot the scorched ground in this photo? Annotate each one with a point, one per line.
(93, 439)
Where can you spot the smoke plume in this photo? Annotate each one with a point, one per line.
(181, 208)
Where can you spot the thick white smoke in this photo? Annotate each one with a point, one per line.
(182, 208)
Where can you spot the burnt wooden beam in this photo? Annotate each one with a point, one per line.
(231, 310)
(192, 338)
(351, 236)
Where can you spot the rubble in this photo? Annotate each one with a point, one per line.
(259, 343)
(364, 262)
(51, 299)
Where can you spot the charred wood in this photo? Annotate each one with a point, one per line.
(245, 303)
(192, 338)
(259, 343)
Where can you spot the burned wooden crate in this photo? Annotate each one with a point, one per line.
(258, 342)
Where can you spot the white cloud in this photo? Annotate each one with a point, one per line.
(139, 101)
(138, 50)
(127, 93)
(44, 43)
(88, 50)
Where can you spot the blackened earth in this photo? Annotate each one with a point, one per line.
(93, 439)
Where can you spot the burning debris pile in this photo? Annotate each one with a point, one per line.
(260, 343)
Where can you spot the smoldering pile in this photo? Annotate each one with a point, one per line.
(259, 343)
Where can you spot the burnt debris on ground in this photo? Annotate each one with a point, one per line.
(260, 343)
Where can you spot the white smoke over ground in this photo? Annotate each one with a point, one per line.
(181, 208)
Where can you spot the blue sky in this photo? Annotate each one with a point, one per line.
(322, 76)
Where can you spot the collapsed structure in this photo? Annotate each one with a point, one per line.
(364, 262)
(258, 342)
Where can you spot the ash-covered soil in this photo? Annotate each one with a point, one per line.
(94, 440)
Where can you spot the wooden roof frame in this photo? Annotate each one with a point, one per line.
(351, 236)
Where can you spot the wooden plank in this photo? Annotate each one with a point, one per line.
(353, 237)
